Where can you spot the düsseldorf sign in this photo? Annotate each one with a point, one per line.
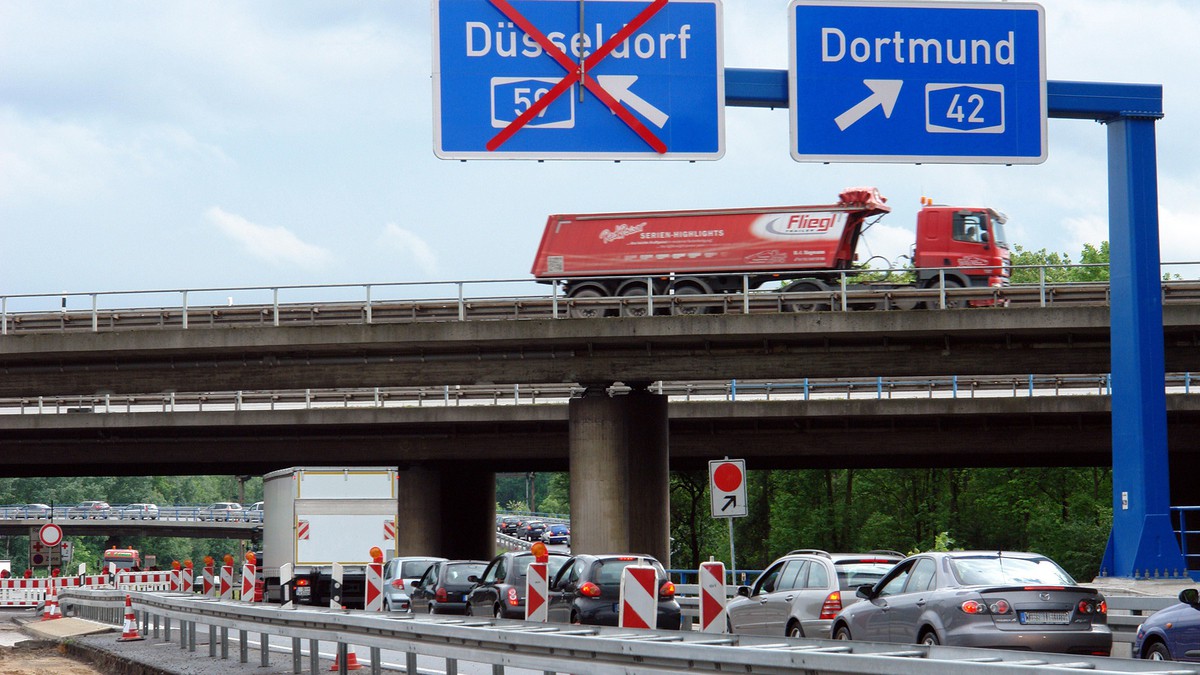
(893, 81)
(563, 79)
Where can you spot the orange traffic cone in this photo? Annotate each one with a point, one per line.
(130, 631)
(351, 661)
(51, 609)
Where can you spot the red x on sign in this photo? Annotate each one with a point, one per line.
(577, 73)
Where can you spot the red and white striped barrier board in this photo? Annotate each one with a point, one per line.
(639, 597)
(301, 530)
(537, 589)
(389, 530)
(210, 586)
(185, 579)
(247, 583)
(373, 602)
(225, 589)
(712, 597)
(286, 591)
(175, 577)
(143, 581)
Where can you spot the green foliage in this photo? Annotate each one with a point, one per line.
(1057, 266)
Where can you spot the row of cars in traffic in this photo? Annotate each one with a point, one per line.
(101, 510)
(531, 529)
(996, 599)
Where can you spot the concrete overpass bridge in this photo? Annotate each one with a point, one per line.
(619, 448)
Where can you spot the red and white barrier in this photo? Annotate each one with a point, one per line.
(537, 589)
(639, 597)
(286, 589)
(176, 575)
(225, 587)
(373, 602)
(185, 580)
(210, 586)
(143, 581)
(712, 597)
(247, 583)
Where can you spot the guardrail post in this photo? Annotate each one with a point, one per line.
(264, 643)
(167, 628)
(942, 289)
(842, 282)
(191, 636)
(368, 287)
(297, 657)
(3, 316)
(314, 658)
(243, 647)
(224, 642)
(183, 315)
(1183, 534)
(1042, 286)
(156, 625)
(212, 641)
(410, 664)
(376, 665)
(1031, 385)
(95, 316)
(554, 299)
(649, 296)
(745, 294)
(462, 308)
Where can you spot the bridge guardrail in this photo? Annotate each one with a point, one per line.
(51, 312)
(564, 647)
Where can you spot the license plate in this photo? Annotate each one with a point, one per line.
(1045, 618)
(303, 592)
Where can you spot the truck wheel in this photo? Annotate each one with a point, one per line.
(691, 308)
(587, 311)
(807, 304)
(951, 302)
(634, 302)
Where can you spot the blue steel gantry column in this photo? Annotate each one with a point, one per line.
(1142, 540)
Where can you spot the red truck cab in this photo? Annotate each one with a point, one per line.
(967, 245)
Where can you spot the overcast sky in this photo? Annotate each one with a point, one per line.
(172, 144)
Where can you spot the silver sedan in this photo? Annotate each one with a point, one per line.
(995, 599)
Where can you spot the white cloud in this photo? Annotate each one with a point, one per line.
(276, 245)
(412, 246)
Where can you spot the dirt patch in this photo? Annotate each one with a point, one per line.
(37, 657)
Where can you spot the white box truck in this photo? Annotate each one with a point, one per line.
(314, 517)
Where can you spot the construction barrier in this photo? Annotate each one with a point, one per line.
(373, 602)
(225, 590)
(32, 592)
(537, 589)
(639, 597)
(248, 582)
(210, 586)
(712, 597)
(185, 580)
(176, 576)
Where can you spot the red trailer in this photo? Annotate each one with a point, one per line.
(723, 250)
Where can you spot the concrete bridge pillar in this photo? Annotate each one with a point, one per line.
(447, 511)
(620, 495)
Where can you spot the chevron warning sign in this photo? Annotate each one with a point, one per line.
(302, 530)
(389, 530)
(536, 590)
(225, 590)
(374, 598)
(712, 597)
(639, 597)
(248, 573)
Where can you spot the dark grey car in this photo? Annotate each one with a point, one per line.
(1003, 599)
(500, 590)
(444, 586)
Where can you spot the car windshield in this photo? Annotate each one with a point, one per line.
(608, 572)
(521, 566)
(413, 569)
(558, 529)
(851, 575)
(996, 570)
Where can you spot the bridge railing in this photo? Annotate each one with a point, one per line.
(497, 299)
(950, 386)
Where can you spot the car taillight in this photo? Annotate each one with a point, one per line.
(999, 607)
(973, 607)
(1102, 607)
(589, 589)
(512, 597)
(398, 584)
(667, 590)
(1092, 607)
(831, 606)
(301, 582)
(441, 595)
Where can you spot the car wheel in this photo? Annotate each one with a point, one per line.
(1157, 652)
(575, 617)
(498, 612)
(929, 639)
(794, 630)
(841, 633)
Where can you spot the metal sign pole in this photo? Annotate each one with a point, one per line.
(732, 558)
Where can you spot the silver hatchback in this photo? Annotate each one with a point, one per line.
(799, 594)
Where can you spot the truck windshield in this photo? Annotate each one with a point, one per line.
(997, 220)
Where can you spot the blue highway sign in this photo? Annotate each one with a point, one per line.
(561, 79)
(883, 81)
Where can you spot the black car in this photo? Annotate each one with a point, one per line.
(500, 590)
(588, 587)
(444, 586)
(532, 530)
(509, 525)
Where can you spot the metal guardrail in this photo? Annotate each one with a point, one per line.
(558, 647)
(34, 513)
(878, 388)
(362, 304)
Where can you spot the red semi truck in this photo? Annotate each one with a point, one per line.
(719, 251)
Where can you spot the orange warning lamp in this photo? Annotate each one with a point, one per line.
(208, 561)
(174, 564)
(540, 552)
(251, 558)
(376, 554)
(229, 560)
(55, 572)
(188, 564)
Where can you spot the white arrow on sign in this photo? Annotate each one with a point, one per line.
(618, 86)
(883, 93)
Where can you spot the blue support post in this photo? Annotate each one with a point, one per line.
(1142, 537)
